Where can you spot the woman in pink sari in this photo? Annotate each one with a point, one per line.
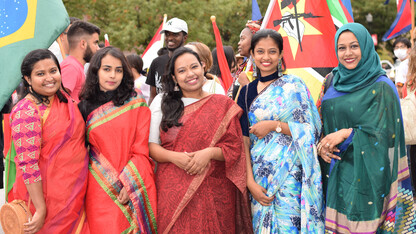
(48, 149)
(196, 138)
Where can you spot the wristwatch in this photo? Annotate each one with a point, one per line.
(279, 127)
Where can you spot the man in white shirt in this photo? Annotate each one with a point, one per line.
(402, 47)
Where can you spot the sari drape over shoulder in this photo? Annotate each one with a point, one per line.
(119, 158)
(287, 166)
(215, 201)
(63, 164)
(369, 189)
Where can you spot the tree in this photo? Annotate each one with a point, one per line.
(131, 24)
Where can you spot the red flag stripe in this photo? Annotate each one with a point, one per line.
(226, 78)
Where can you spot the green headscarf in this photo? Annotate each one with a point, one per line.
(368, 68)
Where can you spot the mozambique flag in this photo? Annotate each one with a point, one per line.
(308, 35)
(26, 25)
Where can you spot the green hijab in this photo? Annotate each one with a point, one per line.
(368, 68)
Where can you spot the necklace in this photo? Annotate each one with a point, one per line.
(270, 77)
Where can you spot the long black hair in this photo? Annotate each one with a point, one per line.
(172, 104)
(27, 67)
(91, 89)
(265, 33)
(229, 55)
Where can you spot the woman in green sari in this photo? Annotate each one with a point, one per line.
(364, 163)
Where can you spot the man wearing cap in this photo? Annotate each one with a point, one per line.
(176, 33)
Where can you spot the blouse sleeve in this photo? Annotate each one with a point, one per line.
(156, 119)
(243, 119)
(27, 136)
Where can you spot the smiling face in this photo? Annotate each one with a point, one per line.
(349, 51)
(45, 78)
(189, 74)
(266, 56)
(110, 73)
(174, 40)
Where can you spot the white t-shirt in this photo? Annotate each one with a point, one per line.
(156, 118)
(140, 83)
(211, 86)
(401, 72)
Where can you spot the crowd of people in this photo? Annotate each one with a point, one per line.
(109, 148)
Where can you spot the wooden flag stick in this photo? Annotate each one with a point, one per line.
(412, 7)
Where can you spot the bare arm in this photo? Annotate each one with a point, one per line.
(36, 195)
(163, 155)
(262, 128)
(152, 94)
(201, 158)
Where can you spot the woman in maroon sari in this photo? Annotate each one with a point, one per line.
(196, 138)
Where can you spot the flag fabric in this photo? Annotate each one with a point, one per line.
(106, 40)
(255, 10)
(403, 21)
(152, 48)
(308, 35)
(226, 77)
(341, 11)
(26, 25)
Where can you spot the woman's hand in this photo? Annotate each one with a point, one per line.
(243, 79)
(199, 161)
(36, 223)
(328, 144)
(259, 193)
(123, 196)
(182, 160)
(262, 128)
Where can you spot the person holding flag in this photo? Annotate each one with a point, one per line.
(244, 73)
(364, 163)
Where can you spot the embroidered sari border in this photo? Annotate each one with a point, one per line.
(199, 178)
(130, 175)
(100, 176)
(110, 113)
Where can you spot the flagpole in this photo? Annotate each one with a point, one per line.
(412, 7)
(58, 40)
(162, 38)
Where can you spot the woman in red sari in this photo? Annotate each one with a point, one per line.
(196, 138)
(121, 194)
(48, 149)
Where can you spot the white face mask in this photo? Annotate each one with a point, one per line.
(400, 53)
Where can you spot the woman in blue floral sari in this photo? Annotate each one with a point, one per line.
(280, 126)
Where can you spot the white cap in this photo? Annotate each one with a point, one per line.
(175, 25)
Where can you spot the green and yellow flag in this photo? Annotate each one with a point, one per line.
(26, 25)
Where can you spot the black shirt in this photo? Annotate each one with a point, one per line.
(156, 71)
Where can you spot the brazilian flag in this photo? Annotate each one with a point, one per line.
(26, 25)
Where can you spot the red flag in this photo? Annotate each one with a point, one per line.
(307, 29)
(106, 41)
(151, 50)
(226, 78)
(403, 21)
